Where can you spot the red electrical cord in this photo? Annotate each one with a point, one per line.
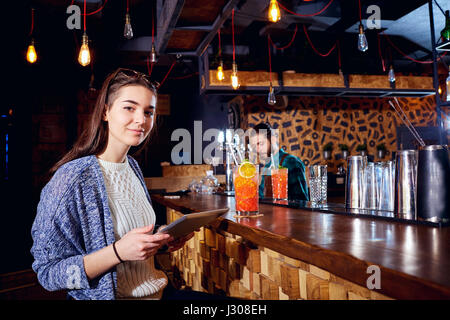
(359, 5)
(379, 52)
(32, 22)
(173, 63)
(84, 16)
(96, 11)
(153, 27)
(220, 43)
(408, 57)
(306, 15)
(290, 42)
(270, 58)
(312, 46)
(232, 31)
(128, 6)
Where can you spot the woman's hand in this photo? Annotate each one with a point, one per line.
(175, 244)
(138, 244)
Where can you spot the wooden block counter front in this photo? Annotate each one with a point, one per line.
(219, 262)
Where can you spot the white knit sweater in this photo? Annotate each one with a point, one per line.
(131, 209)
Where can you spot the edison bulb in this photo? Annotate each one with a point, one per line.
(363, 45)
(234, 81)
(84, 57)
(234, 77)
(220, 76)
(153, 57)
(391, 75)
(271, 99)
(31, 53)
(128, 30)
(274, 11)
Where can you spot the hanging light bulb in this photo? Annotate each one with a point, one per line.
(128, 30)
(219, 74)
(84, 57)
(391, 74)
(340, 72)
(153, 57)
(274, 11)
(234, 77)
(362, 40)
(31, 53)
(271, 99)
(445, 33)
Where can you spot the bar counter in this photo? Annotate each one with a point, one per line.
(290, 253)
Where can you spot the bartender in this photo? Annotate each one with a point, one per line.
(262, 142)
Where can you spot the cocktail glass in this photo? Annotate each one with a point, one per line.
(279, 183)
(246, 191)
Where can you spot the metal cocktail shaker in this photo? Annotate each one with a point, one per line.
(384, 182)
(355, 180)
(370, 187)
(433, 179)
(405, 184)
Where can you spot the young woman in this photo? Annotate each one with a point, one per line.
(262, 142)
(94, 231)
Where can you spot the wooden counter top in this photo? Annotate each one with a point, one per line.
(414, 259)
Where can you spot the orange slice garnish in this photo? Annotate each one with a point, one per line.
(247, 170)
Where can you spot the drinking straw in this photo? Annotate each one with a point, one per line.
(411, 125)
(232, 153)
(273, 161)
(239, 154)
(408, 124)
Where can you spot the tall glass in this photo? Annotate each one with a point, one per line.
(246, 192)
(279, 183)
(318, 181)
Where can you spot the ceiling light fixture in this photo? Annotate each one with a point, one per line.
(84, 57)
(271, 98)
(128, 30)
(153, 56)
(363, 45)
(274, 11)
(391, 74)
(219, 74)
(31, 51)
(234, 73)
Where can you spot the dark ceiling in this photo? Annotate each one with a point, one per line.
(194, 25)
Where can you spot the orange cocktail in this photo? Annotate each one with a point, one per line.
(246, 185)
(280, 183)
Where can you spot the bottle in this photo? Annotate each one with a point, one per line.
(445, 33)
(209, 183)
(340, 176)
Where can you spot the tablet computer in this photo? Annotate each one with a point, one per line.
(191, 222)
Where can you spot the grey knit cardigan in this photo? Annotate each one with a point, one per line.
(73, 219)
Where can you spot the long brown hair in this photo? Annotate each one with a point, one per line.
(94, 138)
